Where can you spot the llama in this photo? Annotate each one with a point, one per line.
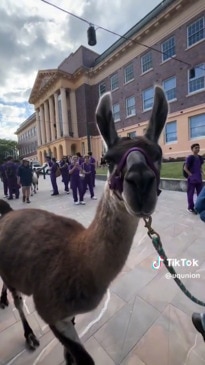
(34, 185)
(68, 268)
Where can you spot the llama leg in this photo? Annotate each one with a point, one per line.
(3, 299)
(31, 339)
(75, 353)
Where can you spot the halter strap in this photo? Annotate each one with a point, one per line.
(116, 180)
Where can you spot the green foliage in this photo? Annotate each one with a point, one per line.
(8, 148)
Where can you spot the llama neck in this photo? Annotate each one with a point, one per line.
(111, 235)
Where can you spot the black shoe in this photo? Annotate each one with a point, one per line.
(10, 198)
(197, 322)
(54, 194)
(28, 201)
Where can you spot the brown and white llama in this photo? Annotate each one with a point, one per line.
(66, 267)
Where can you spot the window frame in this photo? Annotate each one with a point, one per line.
(116, 112)
(166, 140)
(165, 52)
(200, 66)
(142, 63)
(191, 24)
(143, 99)
(174, 88)
(116, 81)
(99, 86)
(125, 74)
(132, 134)
(127, 108)
(200, 126)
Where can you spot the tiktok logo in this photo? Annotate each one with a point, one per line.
(157, 264)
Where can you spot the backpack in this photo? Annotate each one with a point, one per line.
(58, 171)
(190, 165)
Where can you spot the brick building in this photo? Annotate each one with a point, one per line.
(27, 138)
(167, 47)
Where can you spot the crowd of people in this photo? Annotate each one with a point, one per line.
(76, 172)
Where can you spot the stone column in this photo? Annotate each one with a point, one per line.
(57, 116)
(52, 118)
(38, 129)
(42, 125)
(64, 112)
(47, 122)
(73, 110)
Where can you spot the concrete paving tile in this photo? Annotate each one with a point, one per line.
(98, 353)
(12, 339)
(87, 324)
(131, 282)
(119, 335)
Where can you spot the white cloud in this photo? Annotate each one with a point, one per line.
(35, 35)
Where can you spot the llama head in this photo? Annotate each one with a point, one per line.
(134, 164)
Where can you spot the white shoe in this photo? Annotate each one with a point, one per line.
(76, 203)
(82, 203)
(94, 198)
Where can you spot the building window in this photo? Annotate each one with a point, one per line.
(195, 32)
(171, 132)
(129, 73)
(132, 134)
(146, 62)
(102, 88)
(114, 82)
(169, 87)
(148, 98)
(197, 126)
(130, 106)
(116, 112)
(197, 78)
(168, 49)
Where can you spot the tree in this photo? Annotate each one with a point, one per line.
(8, 148)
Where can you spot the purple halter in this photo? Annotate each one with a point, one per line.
(116, 180)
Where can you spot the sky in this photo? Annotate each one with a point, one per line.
(36, 36)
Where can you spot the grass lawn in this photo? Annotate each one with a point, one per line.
(169, 169)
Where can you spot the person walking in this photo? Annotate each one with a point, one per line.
(92, 162)
(24, 179)
(75, 181)
(53, 175)
(4, 178)
(11, 175)
(193, 168)
(64, 167)
(88, 178)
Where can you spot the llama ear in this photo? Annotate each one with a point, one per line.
(105, 120)
(158, 116)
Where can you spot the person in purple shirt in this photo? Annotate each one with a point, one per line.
(64, 167)
(193, 168)
(11, 175)
(87, 180)
(92, 163)
(4, 178)
(80, 158)
(75, 171)
(53, 168)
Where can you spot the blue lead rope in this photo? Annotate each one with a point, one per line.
(158, 246)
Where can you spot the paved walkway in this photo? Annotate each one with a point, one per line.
(144, 319)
